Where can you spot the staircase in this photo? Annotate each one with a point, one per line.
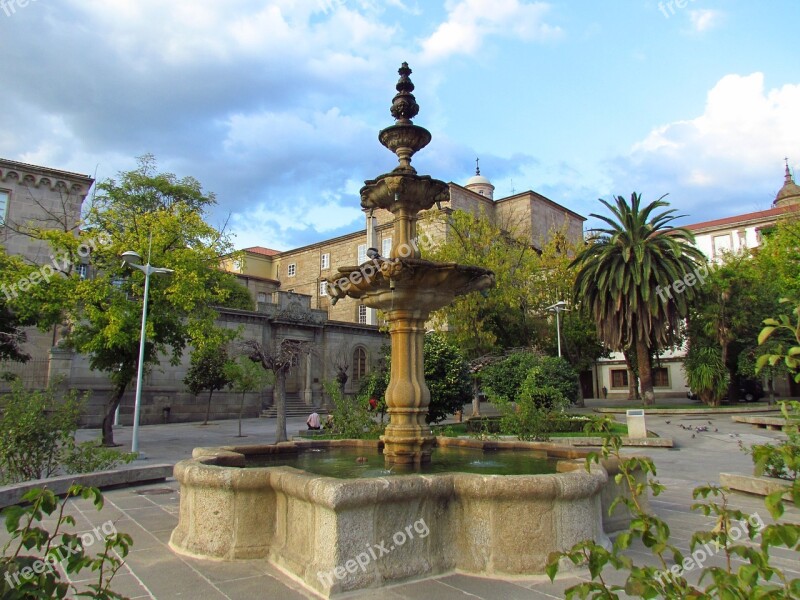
(295, 407)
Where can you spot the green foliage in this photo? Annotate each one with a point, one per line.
(706, 374)
(503, 379)
(37, 437)
(447, 376)
(351, 417)
(781, 460)
(746, 572)
(12, 336)
(528, 418)
(32, 556)
(245, 376)
(35, 430)
(554, 372)
(207, 372)
(88, 457)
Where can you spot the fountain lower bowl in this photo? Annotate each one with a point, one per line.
(340, 535)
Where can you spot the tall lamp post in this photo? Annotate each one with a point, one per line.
(132, 259)
(557, 308)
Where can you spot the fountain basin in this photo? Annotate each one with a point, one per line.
(340, 535)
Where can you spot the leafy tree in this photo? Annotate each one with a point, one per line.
(503, 316)
(503, 379)
(12, 335)
(207, 373)
(621, 273)
(162, 218)
(245, 376)
(731, 303)
(706, 373)
(279, 359)
(447, 376)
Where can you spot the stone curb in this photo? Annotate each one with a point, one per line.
(12, 494)
(626, 441)
(772, 423)
(752, 484)
(692, 411)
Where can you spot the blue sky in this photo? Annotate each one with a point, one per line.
(275, 105)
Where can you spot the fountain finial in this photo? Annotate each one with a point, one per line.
(404, 105)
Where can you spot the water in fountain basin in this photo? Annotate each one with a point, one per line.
(354, 463)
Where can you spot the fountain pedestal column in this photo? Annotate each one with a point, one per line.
(408, 439)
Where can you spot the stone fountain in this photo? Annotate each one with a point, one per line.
(403, 285)
(340, 535)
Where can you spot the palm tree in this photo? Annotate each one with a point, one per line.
(626, 279)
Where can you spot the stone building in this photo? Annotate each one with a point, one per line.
(34, 196)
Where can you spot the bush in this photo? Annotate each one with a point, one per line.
(782, 460)
(706, 374)
(88, 457)
(502, 380)
(351, 417)
(447, 376)
(34, 431)
(505, 380)
(35, 560)
(37, 437)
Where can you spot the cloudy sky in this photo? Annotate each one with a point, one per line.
(275, 105)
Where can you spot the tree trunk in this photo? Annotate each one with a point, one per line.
(208, 407)
(645, 372)
(632, 391)
(280, 405)
(108, 419)
(241, 410)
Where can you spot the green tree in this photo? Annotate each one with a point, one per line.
(245, 377)
(622, 273)
(503, 316)
(447, 376)
(207, 373)
(736, 296)
(12, 334)
(160, 217)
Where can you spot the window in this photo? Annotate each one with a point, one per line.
(386, 247)
(325, 261)
(82, 271)
(362, 314)
(323, 288)
(359, 363)
(661, 377)
(362, 254)
(3, 206)
(722, 243)
(619, 378)
(261, 297)
(291, 270)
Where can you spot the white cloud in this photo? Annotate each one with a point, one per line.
(704, 19)
(470, 21)
(732, 152)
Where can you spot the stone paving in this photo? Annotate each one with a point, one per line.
(149, 513)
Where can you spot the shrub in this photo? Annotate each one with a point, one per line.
(34, 431)
(706, 374)
(37, 437)
(90, 456)
(34, 560)
(782, 460)
(447, 376)
(502, 380)
(351, 417)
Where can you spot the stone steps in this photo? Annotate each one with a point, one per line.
(295, 407)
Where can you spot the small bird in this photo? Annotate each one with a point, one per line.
(373, 253)
(692, 436)
(716, 430)
(668, 422)
(709, 423)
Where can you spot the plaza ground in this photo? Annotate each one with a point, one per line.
(149, 513)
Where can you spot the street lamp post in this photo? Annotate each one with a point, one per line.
(557, 308)
(132, 259)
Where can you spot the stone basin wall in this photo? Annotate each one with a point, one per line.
(338, 535)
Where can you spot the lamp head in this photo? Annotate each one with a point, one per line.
(131, 258)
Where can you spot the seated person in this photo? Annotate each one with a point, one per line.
(313, 421)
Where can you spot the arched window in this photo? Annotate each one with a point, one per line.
(359, 363)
